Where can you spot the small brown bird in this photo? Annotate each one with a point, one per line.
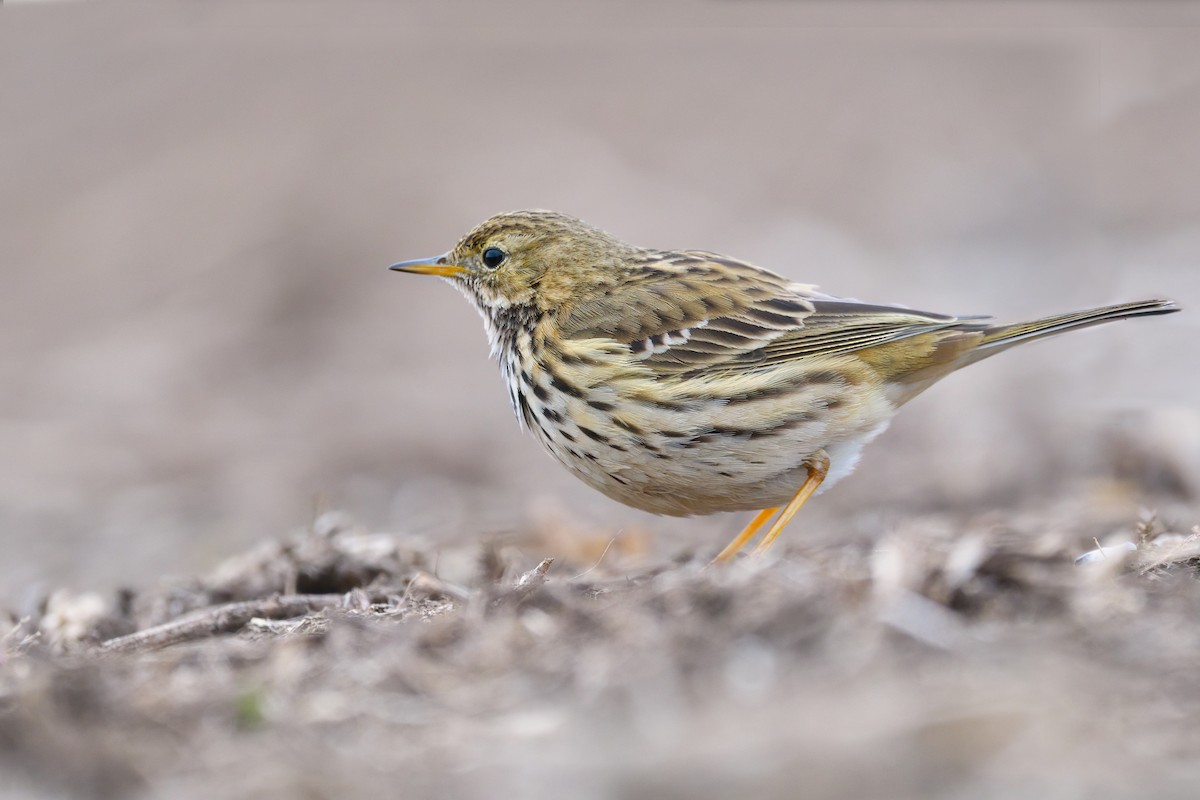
(685, 382)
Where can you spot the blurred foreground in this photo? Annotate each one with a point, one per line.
(199, 339)
(957, 658)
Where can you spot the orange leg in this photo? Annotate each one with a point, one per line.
(746, 535)
(818, 468)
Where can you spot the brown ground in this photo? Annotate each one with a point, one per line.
(199, 346)
(957, 657)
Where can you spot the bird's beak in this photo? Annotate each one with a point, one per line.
(438, 265)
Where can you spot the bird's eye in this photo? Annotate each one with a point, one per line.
(492, 257)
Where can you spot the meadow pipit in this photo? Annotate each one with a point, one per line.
(684, 382)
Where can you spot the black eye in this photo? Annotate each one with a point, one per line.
(492, 257)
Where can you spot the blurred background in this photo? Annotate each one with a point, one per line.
(200, 343)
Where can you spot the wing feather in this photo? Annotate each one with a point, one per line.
(694, 312)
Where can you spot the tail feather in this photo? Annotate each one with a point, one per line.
(1000, 337)
(970, 340)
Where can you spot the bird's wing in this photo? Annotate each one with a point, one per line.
(697, 312)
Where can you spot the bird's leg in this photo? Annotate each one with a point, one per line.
(746, 535)
(818, 468)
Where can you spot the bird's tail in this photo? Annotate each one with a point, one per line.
(1001, 337)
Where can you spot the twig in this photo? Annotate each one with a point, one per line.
(607, 547)
(533, 578)
(17, 626)
(424, 585)
(214, 620)
(525, 585)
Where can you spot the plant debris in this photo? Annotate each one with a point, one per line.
(956, 657)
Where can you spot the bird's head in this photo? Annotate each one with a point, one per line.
(538, 259)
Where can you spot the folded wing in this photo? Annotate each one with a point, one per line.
(696, 312)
